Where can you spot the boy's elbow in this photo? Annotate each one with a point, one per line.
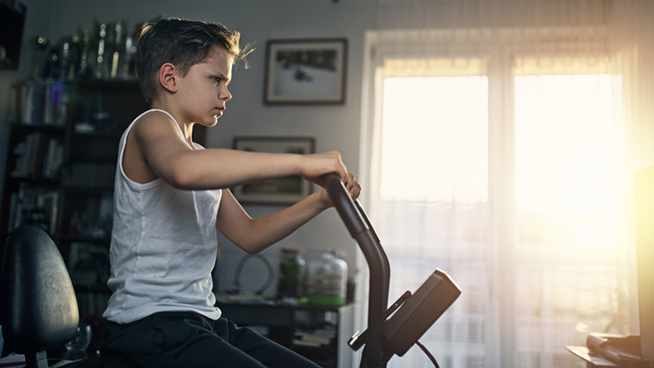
(180, 177)
(250, 247)
(181, 180)
(250, 251)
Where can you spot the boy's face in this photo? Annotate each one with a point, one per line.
(203, 90)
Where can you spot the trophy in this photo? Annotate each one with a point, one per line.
(65, 59)
(54, 62)
(70, 57)
(100, 62)
(40, 43)
(131, 39)
(84, 52)
(129, 49)
(118, 41)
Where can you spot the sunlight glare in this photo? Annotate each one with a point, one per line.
(564, 140)
(435, 139)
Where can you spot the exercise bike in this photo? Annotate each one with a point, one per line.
(391, 330)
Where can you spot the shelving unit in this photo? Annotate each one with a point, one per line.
(59, 174)
(28, 179)
(318, 333)
(71, 195)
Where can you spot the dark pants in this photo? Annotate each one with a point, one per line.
(184, 339)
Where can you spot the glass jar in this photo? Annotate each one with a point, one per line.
(76, 348)
(291, 273)
(327, 281)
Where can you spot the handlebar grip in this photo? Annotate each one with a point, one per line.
(349, 212)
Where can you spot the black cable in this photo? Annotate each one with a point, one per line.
(431, 357)
(237, 274)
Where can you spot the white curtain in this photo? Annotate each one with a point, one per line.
(500, 140)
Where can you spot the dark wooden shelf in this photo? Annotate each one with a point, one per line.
(48, 129)
(34, 180)
(77, 189)
(95, 159)
(84, 239)
(101, 134)
(92, 289)
(105, 83)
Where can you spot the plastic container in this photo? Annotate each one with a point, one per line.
(327, 281)
(291, 273)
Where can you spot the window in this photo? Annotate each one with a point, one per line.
(502, 171)
(434, 139)
(567, 217)
(431, 207)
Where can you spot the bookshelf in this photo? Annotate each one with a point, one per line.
(59, 174)
(61, 160)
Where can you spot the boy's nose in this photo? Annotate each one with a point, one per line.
(225, 95)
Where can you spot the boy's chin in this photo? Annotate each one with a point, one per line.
(210, 123)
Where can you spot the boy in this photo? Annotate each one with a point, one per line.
(171, 196)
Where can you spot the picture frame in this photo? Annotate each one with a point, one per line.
(311, 71)
(282, 191)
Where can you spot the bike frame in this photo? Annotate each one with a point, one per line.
(361, 230)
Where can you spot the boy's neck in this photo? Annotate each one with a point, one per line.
(187, 128)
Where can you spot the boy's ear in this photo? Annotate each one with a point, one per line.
(167, 74)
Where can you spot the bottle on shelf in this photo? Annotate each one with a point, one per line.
(327, 281)
(291, 273)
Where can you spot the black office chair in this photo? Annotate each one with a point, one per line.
(38, 307)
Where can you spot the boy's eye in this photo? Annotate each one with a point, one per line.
(220, 79)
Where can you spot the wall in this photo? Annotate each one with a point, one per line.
(334, 127)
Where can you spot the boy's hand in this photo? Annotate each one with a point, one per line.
(317, 164)
(353, 187)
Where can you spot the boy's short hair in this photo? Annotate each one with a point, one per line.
(183, 43)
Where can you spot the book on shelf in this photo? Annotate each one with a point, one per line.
(38, 155)
(50, 203)
(313, 338)
(35, 155)
(309, 343)
(22, 152)
(44, 102)
(13, 204)
(31, 102)
(34, 205)
(52, 158)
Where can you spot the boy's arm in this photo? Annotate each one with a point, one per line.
(254, 235)
(169, 158)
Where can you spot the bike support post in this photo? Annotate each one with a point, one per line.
(360, 229)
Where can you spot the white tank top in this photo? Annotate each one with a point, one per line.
(163, 247)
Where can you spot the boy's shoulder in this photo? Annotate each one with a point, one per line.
(154, 120)
(154, 116)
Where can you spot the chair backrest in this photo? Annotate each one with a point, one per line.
(38, 307)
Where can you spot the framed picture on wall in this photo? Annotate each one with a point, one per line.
(305, 71)
(285, 190)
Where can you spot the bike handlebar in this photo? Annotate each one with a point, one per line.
(358, 224)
